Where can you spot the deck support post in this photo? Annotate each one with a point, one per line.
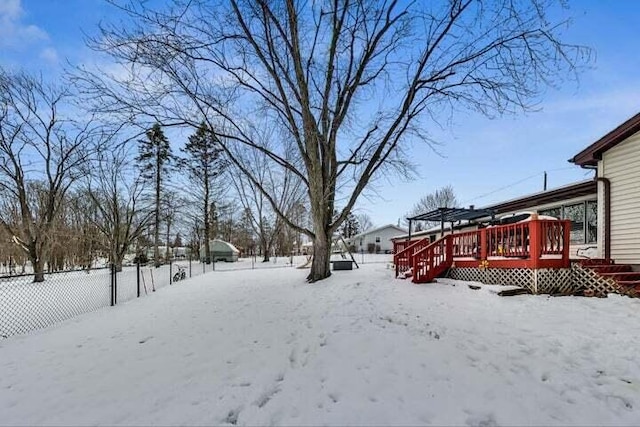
(566, 242)
(483, 244)
(535, 246)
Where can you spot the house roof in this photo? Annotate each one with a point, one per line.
(374, 230)
(590, 155)
(577, 189)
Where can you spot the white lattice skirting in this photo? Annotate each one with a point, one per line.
(540, 281)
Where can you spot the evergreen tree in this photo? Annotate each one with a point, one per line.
(204, 164)
(155, 159)
(350, 227)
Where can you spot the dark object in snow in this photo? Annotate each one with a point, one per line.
(589, 293)
(512, 292)
(342, 265)
(474, 287)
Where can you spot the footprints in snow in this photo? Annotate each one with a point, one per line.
(384, 321)
(144, 340)
(266, 397)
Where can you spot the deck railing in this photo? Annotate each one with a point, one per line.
(529, 244)
(466, 244)
(429, 262)
(403, 259)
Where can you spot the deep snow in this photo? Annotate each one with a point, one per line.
(262, 347)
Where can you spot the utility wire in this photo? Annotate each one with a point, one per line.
(513, 184)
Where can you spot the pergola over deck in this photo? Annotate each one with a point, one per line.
(530, 243)
(450, 215)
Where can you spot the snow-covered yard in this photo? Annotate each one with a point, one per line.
(262, 347)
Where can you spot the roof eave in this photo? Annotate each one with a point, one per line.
(590, 155)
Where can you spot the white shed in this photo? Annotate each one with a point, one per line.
(221, 251)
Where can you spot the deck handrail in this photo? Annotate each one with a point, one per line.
(431, 261)
(403, 259)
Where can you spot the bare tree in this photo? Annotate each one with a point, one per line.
(41, 149)
(444, 197)
(349, 82)
(122, 216)
(365, 221)
(282, 186)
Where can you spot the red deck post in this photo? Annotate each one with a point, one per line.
(566, 242)
(483, 244)
(535, 243)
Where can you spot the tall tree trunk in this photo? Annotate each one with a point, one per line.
(207, 225)
(116, 260)
(168, 251)
(321, 265)
(264, 247)
(36, 262)
(156, 233)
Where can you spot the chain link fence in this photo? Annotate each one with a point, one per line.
(26, 305)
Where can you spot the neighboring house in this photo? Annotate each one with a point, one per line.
(221, 251)
(375, 240)
(616, 159)
(576, 202)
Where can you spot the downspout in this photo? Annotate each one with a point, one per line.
(606, 245)
(607, 217)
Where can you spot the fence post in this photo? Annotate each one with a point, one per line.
(170, 272)
(138, 277)
(203, 265)
(113, 285)
(213, 265)
(189, 265)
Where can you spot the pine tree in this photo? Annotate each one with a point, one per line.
(204, 164)
(350, 227)
(155, 159)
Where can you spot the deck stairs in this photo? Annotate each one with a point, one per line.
(424, 261)
(628, 280)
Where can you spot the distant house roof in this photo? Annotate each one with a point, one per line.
(590, 155)
(375, 230)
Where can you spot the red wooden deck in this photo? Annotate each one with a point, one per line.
(532, 244)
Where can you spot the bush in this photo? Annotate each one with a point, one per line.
(141, 258)
(371, 247)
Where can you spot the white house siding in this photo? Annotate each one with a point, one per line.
(621, 165)
(362, 241)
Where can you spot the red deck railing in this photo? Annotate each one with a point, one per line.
(435, 259)
(532, 244)
(403, 258)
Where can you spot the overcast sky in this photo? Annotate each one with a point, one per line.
(484, 160)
